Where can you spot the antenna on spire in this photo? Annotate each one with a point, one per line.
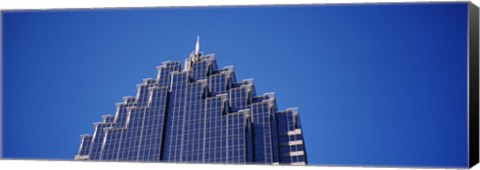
(197, 46)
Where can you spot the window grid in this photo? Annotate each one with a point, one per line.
(193, 116)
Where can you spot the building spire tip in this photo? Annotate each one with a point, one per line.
(197, 45)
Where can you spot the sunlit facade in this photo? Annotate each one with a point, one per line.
(199, 114)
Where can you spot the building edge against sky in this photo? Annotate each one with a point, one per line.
(198, 114)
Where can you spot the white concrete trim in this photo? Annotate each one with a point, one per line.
(297, 163)
(296, 153)
(292, 143)
(294, 132)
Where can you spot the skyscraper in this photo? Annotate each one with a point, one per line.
(198, 114)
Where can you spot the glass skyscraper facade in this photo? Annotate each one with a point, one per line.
(197, 114)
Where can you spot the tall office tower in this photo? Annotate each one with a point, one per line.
(198, 114)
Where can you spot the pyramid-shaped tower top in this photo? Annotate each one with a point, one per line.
(210, 107)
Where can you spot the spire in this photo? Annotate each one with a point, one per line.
(197, 46)
(194, 56)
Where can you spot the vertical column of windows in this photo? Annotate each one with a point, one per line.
(238, 98)
(175, 117)
(154, 127)
(217, 84)
(98, 139)
(263, 137)
(121, 118)
(111, 144)
(193, 126)
(164, 77)
(136, 120)
(213, 124)
(85, 145)
(199, 70)
(236, 137)
(292, 148)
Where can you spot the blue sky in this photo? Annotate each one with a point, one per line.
(381, 85)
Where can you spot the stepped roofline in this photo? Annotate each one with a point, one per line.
(223, 99)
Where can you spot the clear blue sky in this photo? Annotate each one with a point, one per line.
(377, 85)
